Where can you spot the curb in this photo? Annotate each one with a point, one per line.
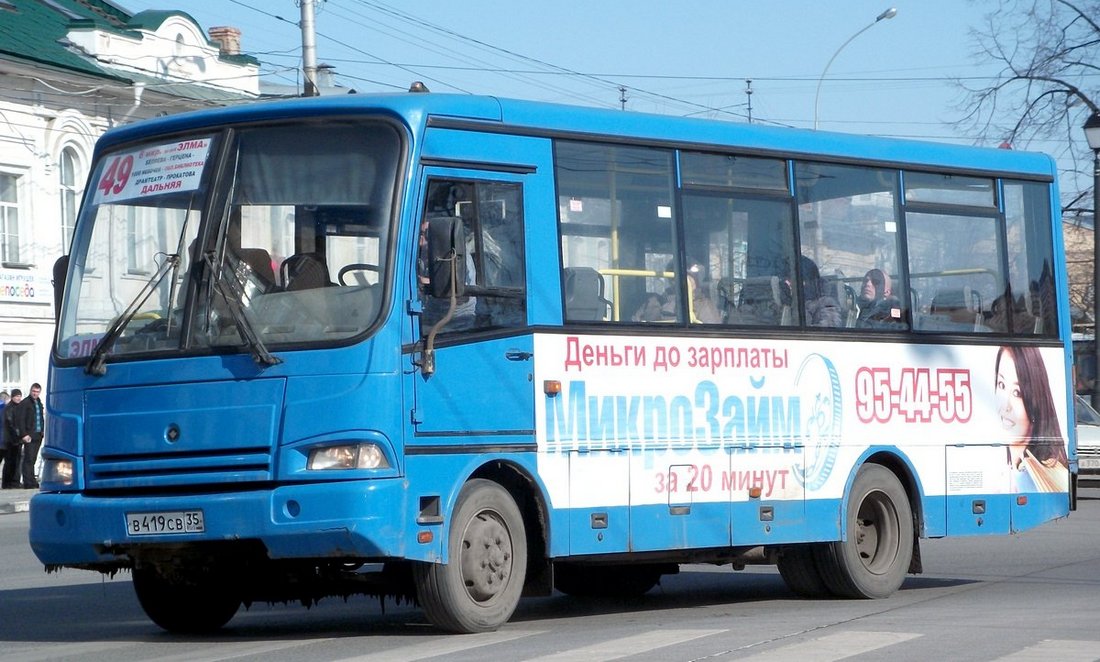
(15, 507)
(15, 501)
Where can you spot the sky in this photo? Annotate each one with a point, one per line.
(896, 78)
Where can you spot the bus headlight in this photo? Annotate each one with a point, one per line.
(347, 456)
(57, 471)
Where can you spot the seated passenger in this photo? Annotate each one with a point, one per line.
(878, 307)
(658, 307)
(1022, 319)
(821, 308)
(651, 310)
(702, 308)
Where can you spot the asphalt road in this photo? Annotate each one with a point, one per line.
(1033, 596)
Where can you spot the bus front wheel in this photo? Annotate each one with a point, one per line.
(185, 602)
(873, 560)
(480, 586)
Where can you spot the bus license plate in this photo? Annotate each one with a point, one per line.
(1090, 463)
(171, 522)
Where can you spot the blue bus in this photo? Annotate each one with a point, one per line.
(460, 349)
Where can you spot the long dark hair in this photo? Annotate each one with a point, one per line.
(1045, 442)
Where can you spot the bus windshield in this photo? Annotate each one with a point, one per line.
(264, 236)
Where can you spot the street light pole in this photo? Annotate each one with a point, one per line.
(889, 13)
(309, 50)
(1092, 135)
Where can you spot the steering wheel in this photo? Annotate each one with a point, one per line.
(358, 266)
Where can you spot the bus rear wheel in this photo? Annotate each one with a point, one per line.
(194, 601)
(874, 558)
(798, 568)
(480, 586)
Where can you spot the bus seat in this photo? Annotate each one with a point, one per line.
(304, 271)
(259, 260)
(762, 303)
(584, 295)
(915, 312)
(955, 309)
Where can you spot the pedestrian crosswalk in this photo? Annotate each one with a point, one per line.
(662, 644)
(540, 645)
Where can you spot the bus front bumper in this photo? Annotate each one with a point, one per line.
(353, 520)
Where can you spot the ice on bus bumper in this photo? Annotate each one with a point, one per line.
(347, 456)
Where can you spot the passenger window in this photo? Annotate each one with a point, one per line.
(848, 228)
(949, 189)
(491, 215)
(1029, 307)
(747, 259)
(955, 264)
(738, 240)
(615, 206)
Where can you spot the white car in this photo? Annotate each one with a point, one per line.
(1088, 438)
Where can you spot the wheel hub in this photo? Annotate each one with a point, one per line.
(486, 557)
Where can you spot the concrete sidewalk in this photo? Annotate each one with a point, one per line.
(15, 501)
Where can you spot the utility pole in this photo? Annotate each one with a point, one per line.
(622, 97)
(748, 94)
(309, 50)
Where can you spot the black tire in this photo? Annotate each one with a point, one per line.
(606, 581)
(798, 568)
(873, 560)
(185, 602)
(479, 588)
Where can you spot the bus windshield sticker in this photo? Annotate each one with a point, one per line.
(152, 170)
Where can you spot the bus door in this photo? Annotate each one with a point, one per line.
(473, 386)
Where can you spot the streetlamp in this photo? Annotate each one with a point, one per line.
(1092, 135)
(889, 13)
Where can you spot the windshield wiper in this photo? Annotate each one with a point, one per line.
(97, 364)
(236, 311)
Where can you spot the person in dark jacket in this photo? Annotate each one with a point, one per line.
(34, 418)
(821, 309)
(14, 423)
(878, 307)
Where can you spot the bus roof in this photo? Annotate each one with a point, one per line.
(547, 118)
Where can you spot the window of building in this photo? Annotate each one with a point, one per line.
(14, 364)
(69, 193)
(10, 243)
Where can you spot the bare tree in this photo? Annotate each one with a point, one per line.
(1048, 52)
(1048, 83)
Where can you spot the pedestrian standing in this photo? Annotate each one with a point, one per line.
(5, 397)
(13, 431)
(35, 420)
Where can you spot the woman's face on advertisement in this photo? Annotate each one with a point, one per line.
(1010, 401)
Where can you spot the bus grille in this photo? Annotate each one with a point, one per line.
(145, 470)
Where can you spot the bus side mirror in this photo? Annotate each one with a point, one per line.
(446, 239)
(60, 270)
